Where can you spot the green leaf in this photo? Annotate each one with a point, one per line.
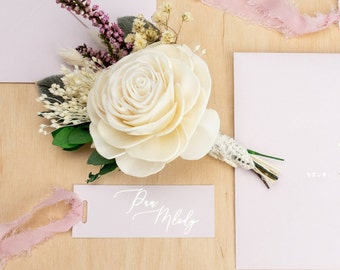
(125, 23)
(71, 138)
(92, 177)
(55, 132)
(60, 138)
(80, 135)
(96, 159)
(44, 84)
(73, 148)
(103, 170)
(108, 168)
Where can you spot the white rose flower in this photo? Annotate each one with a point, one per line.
(150, 108)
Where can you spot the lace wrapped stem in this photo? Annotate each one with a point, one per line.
(229, 151)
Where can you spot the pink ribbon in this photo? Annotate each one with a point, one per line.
(13, 244)
(280, 15)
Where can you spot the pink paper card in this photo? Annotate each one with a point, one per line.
(288, 105)
(33, 31)
(146, 211)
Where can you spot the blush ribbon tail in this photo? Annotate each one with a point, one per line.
(280, 15)
(14, 244)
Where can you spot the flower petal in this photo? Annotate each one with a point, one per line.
(188, 82)
(204, 136)
(178, 116)
(117, 138)
(201, 70)
(137, 167)
(104, 149)
(95, 108)
(159, 148)
(156, 120)
(176, 51)
(191, 120)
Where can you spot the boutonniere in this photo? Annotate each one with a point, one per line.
(140, 99)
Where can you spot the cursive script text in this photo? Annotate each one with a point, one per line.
(142, 205)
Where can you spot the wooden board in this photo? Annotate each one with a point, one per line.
(30, 167)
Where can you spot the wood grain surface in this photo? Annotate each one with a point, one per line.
(30, 167)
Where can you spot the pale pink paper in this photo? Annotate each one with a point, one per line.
(13, 244)
(33, 31)
(288, 105)
(280, 15)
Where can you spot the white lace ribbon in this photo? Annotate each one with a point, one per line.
(229, 151)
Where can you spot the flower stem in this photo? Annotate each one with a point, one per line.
(251, 152)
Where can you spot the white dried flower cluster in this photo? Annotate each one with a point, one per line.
(187, 17)
(168, 37)
(161, 18)
(143, 33)
(67, 105)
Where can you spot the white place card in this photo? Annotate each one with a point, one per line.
(288, 105)
(33, 31)
(115, 211)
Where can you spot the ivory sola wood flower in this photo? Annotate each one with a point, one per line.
(150, 108)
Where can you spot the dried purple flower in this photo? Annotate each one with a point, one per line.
(110, 33)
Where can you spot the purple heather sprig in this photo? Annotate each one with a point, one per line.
(91, 53)
(110, 33)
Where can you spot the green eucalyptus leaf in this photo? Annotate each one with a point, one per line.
(125, 23)
(44, 84)
(96, 159)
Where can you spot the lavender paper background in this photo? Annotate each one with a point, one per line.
(288, 105)
(32, 32)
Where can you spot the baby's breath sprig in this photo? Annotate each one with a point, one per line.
(161, 18)
(66, 103)
(144, 33)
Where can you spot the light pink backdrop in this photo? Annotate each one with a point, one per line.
(288, 105)
(32, 32)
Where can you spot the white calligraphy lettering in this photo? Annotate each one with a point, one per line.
(141, 205)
